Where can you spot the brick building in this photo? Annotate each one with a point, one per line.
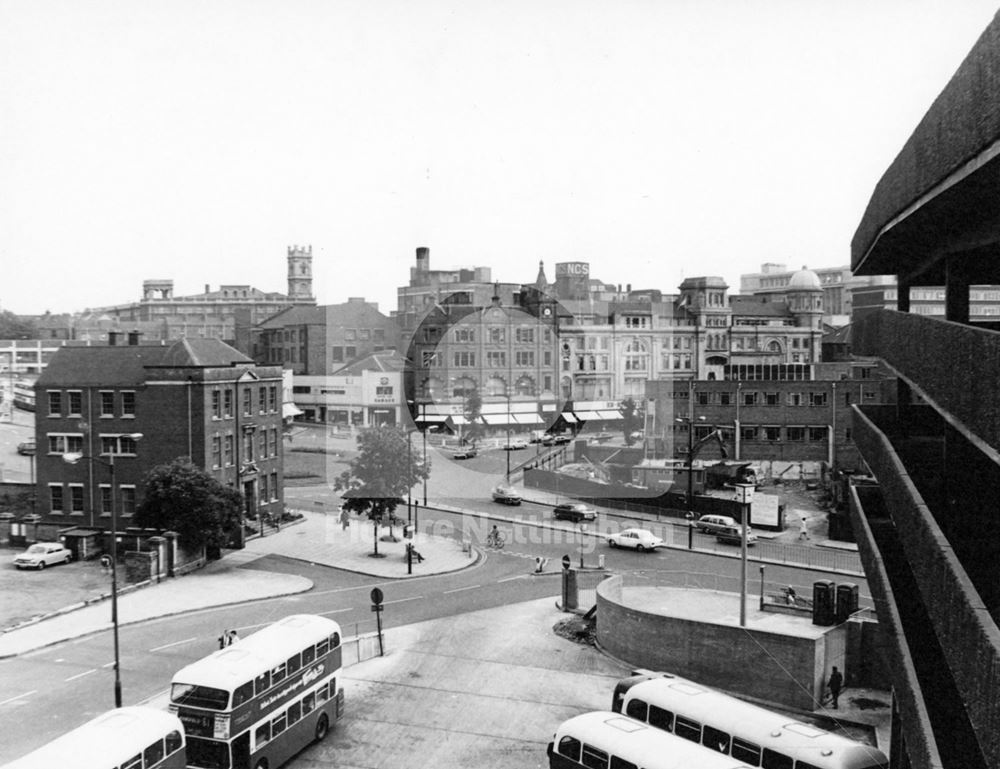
(196, 398)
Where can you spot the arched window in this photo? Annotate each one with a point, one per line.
(525, 385)
(496, 386)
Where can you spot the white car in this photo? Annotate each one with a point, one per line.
(640, 540)
(42, 554)
(516, 444)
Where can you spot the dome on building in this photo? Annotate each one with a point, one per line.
(805, 280)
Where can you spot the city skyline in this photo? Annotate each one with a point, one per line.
(654, 141)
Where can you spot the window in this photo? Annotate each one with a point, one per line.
(746, 752)
(771, 399)
(128, 499)
(76, 497)
(262, 445)
(688, 729)
(75, 400)
(278, 673)
(337, 354)
(133, 763)
(227, 403)
(173, 742)
(772, 433)
(55, 497)
(118, 444)
(817, 399)
(772, 759)
(262, 735)
(749, 399)
(216, 404)
(308, 703)
(294, 712)
(323, 647)
(570, 747)
(262, 683)
(817, 433)
(107, 403)
(496, 335)
(274, 485)
(308, 655)
(65, 443)
(105, 499)
(702, 399)
(428, 358)
(272, 447)
(621, 763)
(593, 758)
(796, 433)
(661, 719)
(293, 665)
(278, 724)
(262, 400)
(263, 489)
(350, 352)
(55, 403)
(637, 709)
(496, 359)
(525, 335)
(796, 399)
(725, 398)
(248, 446)
(465, 359)
(716, 739)
(465, 335)
(228, 450)
(153, 753)
(350, 334)
(247, 401)
(272, 398)
(216, 451)
(128, 403)
(526, 358)
(243, 694)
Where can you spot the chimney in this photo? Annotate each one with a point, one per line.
(423, 259)
(113, 338)
(207, 291)
(628, 288)
(133, 337)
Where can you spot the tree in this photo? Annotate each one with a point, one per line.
(472, 408)
(182, 497)
(14, 327)
(378, 477)
(631, 422)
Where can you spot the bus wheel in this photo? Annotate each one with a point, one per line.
(322, 727)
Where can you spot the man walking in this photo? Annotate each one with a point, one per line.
(835, 684)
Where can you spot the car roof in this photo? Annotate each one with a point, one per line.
(638, 531)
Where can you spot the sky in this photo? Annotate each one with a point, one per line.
(195, 140)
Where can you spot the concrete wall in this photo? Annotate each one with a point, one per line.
(763, 665)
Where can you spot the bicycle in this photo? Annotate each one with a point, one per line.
(495, 540)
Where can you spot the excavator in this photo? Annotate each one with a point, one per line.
(723, 473)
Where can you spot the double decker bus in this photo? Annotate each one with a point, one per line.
(261, 700)
(602, 740)
(752, 734)
(126, 738)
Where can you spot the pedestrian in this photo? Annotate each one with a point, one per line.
(803, 530)
(224, 639)
(233, 637)
(790, 595)
(345, 518)
(835, 683)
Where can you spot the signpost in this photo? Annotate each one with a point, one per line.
(376, 596)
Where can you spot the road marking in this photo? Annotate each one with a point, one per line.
(508, 579)
(335, 611)
(460, 589)
(81, 675)
(401, 600)
(20, 696)
(175, 643)
(109, 664)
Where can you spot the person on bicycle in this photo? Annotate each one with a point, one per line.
(494, 537)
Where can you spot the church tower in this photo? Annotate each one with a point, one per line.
(300, 272)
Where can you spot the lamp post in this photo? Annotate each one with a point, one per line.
(744, 495)
(73, 458)
(690, 463)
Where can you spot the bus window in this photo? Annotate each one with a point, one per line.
(294, 712)
(322, 647)
(206, 697)
(308, 703)
(746, 752)
(322, 694)
(772, 759)
(293, 665)
(569, 747)
(262, 735)
(593, 758)
(262, 683)
(153, 753)
(133, 763)
(278, 674)
(661, 719)
(278, 725)
(243, 694)
(621, 763)
(308, 655)
(716, 739)
(637, 709)
(335, 640)
(688, 729)
(174, 742)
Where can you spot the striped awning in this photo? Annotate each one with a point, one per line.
(527, 419)
(569, 417)
(610, 414)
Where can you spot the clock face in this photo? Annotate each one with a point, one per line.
(546, 311)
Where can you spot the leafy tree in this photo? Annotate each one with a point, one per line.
(378, 477)
(14, 327)
(631, 421)
(472, 407)
(182, 497)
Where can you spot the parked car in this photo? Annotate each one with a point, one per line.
(556, 439)
(641, 540)
(733, 535)
(506, 495)
(466, 452)
(42, 554)
(27, 448)
(710, 524)
(574, 511)
(515, 444)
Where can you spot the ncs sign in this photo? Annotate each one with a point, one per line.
(572, 270)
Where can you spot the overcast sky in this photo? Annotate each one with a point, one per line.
(197, 140)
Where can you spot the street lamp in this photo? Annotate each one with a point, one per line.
(690, 463)
(72, 458)
(744, 496)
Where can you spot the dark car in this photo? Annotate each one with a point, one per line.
(575, 512)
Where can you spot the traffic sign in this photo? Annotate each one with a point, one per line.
(377, 596)
(565, 561)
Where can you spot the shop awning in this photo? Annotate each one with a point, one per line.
(610, 414)
(434, 419)
(498, 419)
(290, 410)
(527, 419)
(569, 417)
(458, 419)
(587, 416)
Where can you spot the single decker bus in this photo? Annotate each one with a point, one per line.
(261, 700)
(602, 740)
(126, 738)
(754, 735)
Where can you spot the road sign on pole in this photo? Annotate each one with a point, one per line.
(376, 596)
(565, 561)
